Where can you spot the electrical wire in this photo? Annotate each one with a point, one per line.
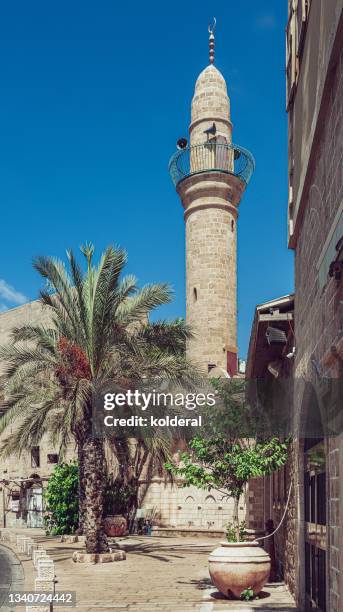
(282, 519)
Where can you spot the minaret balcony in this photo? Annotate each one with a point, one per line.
(212, 157)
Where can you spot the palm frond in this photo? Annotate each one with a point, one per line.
(55, 272)
(16, 357)
(29, 430)
(79, 285)
(147, 299)
(101, 302)
(167, 335)
(44, 337)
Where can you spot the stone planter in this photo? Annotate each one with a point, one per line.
(115, 525)
(236, 566)
(110, 557)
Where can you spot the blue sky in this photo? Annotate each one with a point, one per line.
(93, 96)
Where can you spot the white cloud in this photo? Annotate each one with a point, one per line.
(266, 22)
(9, 294)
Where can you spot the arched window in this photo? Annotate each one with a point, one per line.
(189, 500)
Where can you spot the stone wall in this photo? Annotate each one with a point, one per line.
(15, 468)
(285, 539)
(255, 504)
(288, 545)
(319, 308)
(312, 68)
(211, 284)
(177, 506)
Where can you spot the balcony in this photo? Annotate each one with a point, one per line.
(212, 157)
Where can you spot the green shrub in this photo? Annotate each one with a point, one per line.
(62, 501)
(116, 497)
(247, 594)
(231, 532)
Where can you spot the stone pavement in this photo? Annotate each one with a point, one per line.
(168, 574)
(11, 575)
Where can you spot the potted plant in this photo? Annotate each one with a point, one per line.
(231, 452)
(116, 497)
(239, 568)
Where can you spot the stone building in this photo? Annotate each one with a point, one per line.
(22, 478)
(315, 210)
(312, 539)
(271, 363)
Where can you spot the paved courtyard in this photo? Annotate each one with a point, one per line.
(159, 575)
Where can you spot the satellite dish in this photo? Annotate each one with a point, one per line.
(182, 143)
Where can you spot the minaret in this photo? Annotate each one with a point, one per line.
(210, 176)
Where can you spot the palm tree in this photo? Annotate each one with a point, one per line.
(99, 331)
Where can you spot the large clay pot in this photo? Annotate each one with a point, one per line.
(236, 566)
(115, 525)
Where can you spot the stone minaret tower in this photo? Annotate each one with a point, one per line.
(210, 176)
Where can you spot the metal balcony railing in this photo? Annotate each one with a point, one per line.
(212, 157)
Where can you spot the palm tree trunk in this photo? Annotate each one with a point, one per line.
(94, 481)
(82, 497)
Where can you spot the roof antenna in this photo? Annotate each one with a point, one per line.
(211, 29)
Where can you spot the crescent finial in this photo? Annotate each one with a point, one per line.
(211, 29)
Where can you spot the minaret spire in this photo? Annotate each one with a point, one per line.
(211, 29)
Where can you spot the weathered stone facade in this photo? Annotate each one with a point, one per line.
(315, 94)
(16, 469)
(190, 507)
(267, 504)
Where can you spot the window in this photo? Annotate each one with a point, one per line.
(52, 458)
(15, 501)
(315, 498)
(210, 367)
(195, 294)
(35, 457)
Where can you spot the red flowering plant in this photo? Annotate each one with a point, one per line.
(74, 362)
